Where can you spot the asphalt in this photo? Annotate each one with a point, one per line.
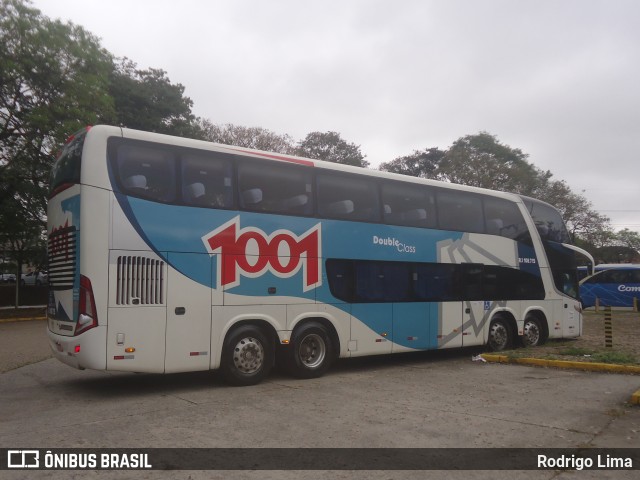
(494, 358)
(569, 365)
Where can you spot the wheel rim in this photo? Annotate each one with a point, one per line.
(248, 355)
(499, 336)
(531, 333)
(312, 350)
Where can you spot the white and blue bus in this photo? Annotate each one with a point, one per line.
(172, 255)
(612, 285)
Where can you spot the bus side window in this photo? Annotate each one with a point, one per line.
(435, 282)
(460, 211)
(340, 276)
(274, 187)
(409, 205)
(347, 197)
(207, 180)
(146, 171)
(382, 282)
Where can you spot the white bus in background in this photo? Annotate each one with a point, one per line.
(172, 255)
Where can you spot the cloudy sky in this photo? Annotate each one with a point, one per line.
(559, 79)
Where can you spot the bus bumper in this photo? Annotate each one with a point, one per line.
(87, 350)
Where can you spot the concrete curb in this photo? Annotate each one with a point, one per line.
(588, 366)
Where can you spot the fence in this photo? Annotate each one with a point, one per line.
(636, 304)
(30, 295)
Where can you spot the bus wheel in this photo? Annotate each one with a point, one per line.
(499, 335)
(247, 356)
(311, 351)
(532, 334)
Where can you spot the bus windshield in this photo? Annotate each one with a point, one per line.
(554, 233)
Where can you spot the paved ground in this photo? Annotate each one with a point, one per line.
(437, 399)
(22, 343)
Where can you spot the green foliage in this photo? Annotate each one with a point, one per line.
(249, 137)
(330, 146)
(616, 254)
(147, 100)
(576, 352)
(422, 164)
(482, 161)
(615, 357)
(629, 239)
(53, 79)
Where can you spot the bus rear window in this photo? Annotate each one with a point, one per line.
(66, 169)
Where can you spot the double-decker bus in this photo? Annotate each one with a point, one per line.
(171, 255)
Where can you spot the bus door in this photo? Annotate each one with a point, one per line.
(188, 338)
(474, 321)
(449, 334)
(473, 306)
(462, 315)
(570, 317)
(463, 323)
(372, 311)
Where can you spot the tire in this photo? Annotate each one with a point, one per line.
(532, 335)
(310, 352)
(500, 335)
(247, 356)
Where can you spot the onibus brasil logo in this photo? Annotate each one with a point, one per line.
(250, 252)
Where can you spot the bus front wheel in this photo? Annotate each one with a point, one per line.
(500, 336)
(310, 352)
(247, 356)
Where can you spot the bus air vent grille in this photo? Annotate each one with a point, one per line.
(61, 251)
(140, 281)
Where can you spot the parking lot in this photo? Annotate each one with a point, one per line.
(438, 399)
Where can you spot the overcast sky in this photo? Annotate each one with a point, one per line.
(558, 79)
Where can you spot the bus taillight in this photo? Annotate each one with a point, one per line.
(87, 316)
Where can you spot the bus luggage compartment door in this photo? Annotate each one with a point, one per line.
(188, 342)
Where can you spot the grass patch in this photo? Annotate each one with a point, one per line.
(615, 357)
(576, 351)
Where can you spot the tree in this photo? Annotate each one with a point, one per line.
(249, 137)
(481, 160)
(422, 164)
(592, 228)
(616, 254)
(53, 80)
(628, 238)
(147, 100)
(331, 147)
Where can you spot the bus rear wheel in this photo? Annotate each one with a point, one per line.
(310, 353)
(500, 336)
(247, 356)
(531, 332)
